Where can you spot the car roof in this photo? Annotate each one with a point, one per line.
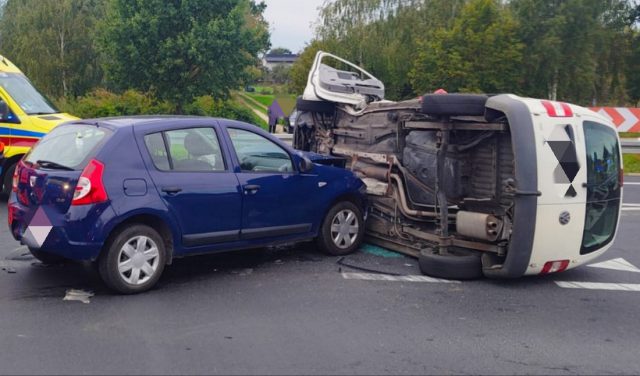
(150, 122)
(133, 121)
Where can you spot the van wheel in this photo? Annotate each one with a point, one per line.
(456, 264)
(133, 260)
(47, 258)
(454, 104)
(342, 230)
(7, 181)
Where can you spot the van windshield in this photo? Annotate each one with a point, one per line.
(25, 95)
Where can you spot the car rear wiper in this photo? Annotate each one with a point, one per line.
(53, 165)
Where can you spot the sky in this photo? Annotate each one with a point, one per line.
(290, 22)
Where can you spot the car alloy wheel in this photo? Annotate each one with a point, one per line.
(138, 260)
(344, 229)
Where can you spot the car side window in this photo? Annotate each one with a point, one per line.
(190, 150)
(157, 151)
(259, 154)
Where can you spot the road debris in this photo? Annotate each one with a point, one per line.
(78, 295)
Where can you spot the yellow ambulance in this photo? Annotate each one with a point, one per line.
(25, 116)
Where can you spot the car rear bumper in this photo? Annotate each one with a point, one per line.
(76, 234)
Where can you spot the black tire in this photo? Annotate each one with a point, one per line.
(454, 104)
(315, 106)
(325, 239)
(457, 264)
(47, 258)
(7, 180)
(112, 255)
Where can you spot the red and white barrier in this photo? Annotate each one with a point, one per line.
(626, 119)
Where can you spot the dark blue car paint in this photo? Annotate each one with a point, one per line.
(213, 212)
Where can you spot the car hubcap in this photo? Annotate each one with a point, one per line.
(344, 229)
(138, 260)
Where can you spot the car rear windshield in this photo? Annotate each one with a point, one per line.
(603, 186)
(68, 146)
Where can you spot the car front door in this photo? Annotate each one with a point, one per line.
(277, 200)
(196, 183)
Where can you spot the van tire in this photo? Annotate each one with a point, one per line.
(454, 104)
(457, 264)
(315, 106)
(111, 258)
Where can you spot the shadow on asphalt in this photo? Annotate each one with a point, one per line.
(38, 280)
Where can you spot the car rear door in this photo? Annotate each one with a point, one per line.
(189, 170)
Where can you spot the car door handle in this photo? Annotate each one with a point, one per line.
(251, 189)
(171, 190)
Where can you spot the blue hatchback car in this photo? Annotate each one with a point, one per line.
(133, 193)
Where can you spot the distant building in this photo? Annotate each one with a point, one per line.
(270, 61)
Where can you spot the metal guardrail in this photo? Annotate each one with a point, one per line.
(630, 145)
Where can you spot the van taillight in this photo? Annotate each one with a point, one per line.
(90, 188)
(621, 177)
(555, 267)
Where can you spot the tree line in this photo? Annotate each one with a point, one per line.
(581, 51)
(169, 51)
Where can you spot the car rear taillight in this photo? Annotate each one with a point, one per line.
(90, 188)
(11, 215)
(555, 267)
(16, 174)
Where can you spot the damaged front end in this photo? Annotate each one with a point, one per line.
(443, 178)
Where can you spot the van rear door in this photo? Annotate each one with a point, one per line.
(604, 186)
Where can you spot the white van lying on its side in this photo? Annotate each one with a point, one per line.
(471, 185)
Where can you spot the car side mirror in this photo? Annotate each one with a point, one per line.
(305, 164)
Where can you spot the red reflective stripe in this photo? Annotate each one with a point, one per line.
(557, 109)
(567, 110)
(19, 141)
(551, 111)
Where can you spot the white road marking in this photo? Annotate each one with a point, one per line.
(616, 264)
(599, 286)
(631, 183)
(630, 209)
(631, 205)
(393, 278)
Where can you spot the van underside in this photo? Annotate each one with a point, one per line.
(439, 181)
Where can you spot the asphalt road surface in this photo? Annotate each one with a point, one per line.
(293, 311)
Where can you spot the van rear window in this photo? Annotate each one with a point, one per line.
(70, 146)
(603, 186)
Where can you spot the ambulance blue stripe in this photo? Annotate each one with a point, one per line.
(19, 133)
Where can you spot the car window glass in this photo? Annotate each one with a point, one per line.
(190, 150)
(259, 154)
(70, 146)
(157, 151)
